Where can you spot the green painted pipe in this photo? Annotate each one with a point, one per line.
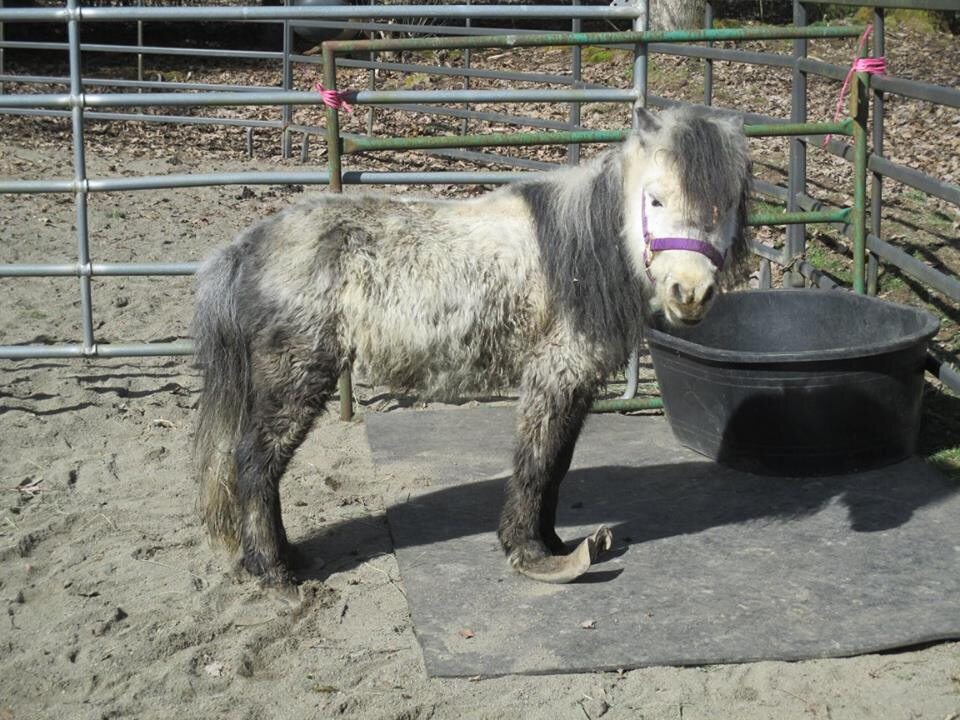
(603, 38)
(333, 124)
(367, 144)
(335, 168)
(843, 127)
(858, 112)
(799, 218)
(631, 405)
(363, 144)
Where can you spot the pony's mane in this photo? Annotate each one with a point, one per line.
(578, 216)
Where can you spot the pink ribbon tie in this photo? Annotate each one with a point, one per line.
(334, 98)
(873, 66)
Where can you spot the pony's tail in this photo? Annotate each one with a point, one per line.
(222, 350)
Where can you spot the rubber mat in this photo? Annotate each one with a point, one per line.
(709, 565)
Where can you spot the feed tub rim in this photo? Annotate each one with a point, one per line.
(928, 328)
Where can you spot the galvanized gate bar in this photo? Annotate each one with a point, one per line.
(901, 173)
(937, 94)
(471, 72)
(948, 285)
(96, 269)
(320, 177)
(23, 352)
(795, 245)
(75, 102)
(294, 97)
(915, 179)
(496, 117)
(904, 87)
(707, 62)
(119, 82)
(304, 12)
(80, 194)
(640, 76)
(138, 117)
(148, 50)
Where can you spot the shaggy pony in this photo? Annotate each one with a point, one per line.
(544, 284)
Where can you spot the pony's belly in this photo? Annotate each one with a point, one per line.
(436, 362)
(453, 313)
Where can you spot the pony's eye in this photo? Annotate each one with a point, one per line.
(655, 202)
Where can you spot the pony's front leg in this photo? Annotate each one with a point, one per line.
(552, 409)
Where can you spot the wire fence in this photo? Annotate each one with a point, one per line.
(466, 28)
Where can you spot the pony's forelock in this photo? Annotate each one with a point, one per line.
(711, 163)
(709, 155)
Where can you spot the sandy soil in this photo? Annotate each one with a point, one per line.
(116, 606)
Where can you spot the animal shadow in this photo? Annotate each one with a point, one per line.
(640, 504)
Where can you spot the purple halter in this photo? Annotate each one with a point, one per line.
(655, 244)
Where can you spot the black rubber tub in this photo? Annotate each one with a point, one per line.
(796, 382)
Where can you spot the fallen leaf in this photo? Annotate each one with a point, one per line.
(324, 689)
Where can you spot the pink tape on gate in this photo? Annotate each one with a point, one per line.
(874, 66)
(334, 98)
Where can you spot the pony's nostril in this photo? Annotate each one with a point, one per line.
(676, 292)
(708, 294)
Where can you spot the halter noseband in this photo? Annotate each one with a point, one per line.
(656, 244)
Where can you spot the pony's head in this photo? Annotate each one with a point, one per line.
(686, 181)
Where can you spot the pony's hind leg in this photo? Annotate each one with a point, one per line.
(553, 406)
(291, 380)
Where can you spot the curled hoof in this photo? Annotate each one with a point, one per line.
(268, 573)
(567, 568)
(280, 578)
(286, 595)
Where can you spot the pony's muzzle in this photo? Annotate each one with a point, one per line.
(693, 297)
(687, 303)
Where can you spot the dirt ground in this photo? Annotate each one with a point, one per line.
(116, 605)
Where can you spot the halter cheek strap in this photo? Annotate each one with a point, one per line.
(655, 244)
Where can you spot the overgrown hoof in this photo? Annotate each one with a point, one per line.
(283, 588)
(270, 574)
(565, 568)
(554, 544)
(279, 577)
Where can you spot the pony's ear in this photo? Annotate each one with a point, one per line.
(646, 120)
